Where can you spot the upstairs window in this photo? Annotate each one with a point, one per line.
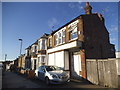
(27, 52)
(56, 39)
(43, 44)
(50, 42)
(39, 45)
(35, 48)
(60, 36)
(73, 30)
(63, 36)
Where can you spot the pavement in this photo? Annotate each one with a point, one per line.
(14, 80)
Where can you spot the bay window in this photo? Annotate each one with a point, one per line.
(56, 39)
(42, 44)
(50, 42)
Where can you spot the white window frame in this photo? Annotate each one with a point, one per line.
(50, 41)
(41, 45)
(57, 42)
(60, 37)
(56, 39)
(63, 35)
(43, 60)
(73, 29)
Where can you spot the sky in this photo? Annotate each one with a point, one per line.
(30, 20)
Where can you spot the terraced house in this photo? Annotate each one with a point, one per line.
(34, 55)
(84, 37)
(28, 57)
(42, 50)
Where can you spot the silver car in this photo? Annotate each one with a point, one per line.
(52, 74)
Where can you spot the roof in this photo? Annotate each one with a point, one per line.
(45, 35)
(28, 47)
(78, 17)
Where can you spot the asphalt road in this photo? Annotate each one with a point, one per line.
(14, 80)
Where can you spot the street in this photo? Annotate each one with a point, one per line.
(15, 80)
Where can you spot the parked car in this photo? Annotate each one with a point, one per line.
(52, 74)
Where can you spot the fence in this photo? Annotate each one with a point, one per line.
(105, 72)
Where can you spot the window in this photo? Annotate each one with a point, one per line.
(27, 52)
(56, 39)
(38, 61)
(43, 59)
(42, 44)
(35, 49)
(73, 30)
(63, 36)
(60, 36)
(39, 45)
(50, 41)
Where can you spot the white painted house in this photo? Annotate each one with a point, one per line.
(41, 50)
(34, 47)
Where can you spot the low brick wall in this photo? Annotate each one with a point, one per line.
(105, 72)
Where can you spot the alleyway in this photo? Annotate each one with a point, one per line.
(14, 80)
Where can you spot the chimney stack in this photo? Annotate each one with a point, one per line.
(88, 8)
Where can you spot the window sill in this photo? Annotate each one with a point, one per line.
(73, 39)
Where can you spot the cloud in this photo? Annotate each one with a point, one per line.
(76, 5)
(52, 22)
(113, 28)
(80, 7)
(71, 5)
(113, 39)
(79, 2)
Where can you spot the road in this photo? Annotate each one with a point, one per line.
(14, 80)
(0, 77)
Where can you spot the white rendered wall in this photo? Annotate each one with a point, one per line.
(66, 60)
(56, 58)
(51, 59)
(59, 59)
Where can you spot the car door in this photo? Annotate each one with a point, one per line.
(41, 73)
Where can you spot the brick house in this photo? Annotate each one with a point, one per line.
(28, 57)
(84, 37)
(41, 50)
(34, 55)
(21, 61)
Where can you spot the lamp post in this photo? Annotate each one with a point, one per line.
(20, 52)
(20, 46)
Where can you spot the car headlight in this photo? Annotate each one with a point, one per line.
(54, 76)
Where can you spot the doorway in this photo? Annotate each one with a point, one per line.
(76, 65)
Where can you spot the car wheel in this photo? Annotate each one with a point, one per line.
(47, 81)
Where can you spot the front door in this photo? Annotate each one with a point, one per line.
(35, 64)
(75, 65)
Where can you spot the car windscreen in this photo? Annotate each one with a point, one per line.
(52, 68)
